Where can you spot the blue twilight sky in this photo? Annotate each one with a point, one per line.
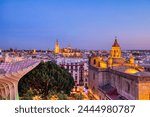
(84, 24)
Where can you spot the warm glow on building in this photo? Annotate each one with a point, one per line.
(131, 71)
(57, 48)
(117, 78)
(34, 51)
(115, 50)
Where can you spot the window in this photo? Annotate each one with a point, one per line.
(71, 66)
(98, 64)
(127, 86)
(86, 80)
(75, 77)
(94, 61)
(76, 67)
(86, 86)
(71, 72)
(67, 67)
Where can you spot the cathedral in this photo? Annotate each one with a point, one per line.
(116, 78)
(66, 52)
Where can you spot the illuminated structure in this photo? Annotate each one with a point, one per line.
(57, 48)
(115, 50)
(116, 78)
(10, 74)
(69, 52)
(34, 51)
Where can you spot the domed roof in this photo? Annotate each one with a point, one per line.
(131, 71)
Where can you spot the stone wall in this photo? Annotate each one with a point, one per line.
(144, 89)
(96, 78)
(125, 87)
(129, 86)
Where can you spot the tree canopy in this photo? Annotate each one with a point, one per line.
(46, 78)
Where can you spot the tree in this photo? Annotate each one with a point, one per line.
(45, 78)
(79, 96)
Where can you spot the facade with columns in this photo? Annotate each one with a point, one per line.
(117, 78)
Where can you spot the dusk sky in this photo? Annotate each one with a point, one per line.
(84, 24)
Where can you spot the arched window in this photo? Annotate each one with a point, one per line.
(86, 80)
(98, 64)
(85, 85)
(114, 53)
(94, 61)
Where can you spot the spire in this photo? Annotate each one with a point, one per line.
(116, 42)
(57, 42)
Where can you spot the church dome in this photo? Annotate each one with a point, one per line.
(131, 71)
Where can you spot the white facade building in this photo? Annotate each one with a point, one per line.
(78, 67)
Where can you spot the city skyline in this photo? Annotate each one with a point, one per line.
(81, 24)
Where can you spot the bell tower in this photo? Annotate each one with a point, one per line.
(115, 50)
(57, 48)
(34, 51)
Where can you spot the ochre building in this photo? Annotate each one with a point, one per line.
(116, 78)
(67, 52)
